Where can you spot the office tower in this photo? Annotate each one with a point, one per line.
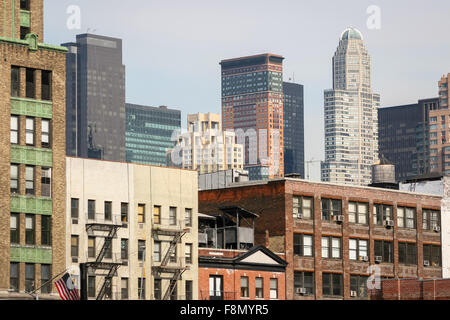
(32, 154)
(252, 106)
(148, 133)
(95, 98)
(135, 226)
(294, 135)
(439, 136)
(205, 147)
(403, 137)
(351, 124)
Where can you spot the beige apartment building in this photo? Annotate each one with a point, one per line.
(136, 228)
(32, 154)
(205, 147)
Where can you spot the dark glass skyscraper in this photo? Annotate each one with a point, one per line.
(95, 112)
(149, 132)
(294, 138)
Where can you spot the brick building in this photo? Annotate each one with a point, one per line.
(413, 289)
(32, 153)
(331, 233)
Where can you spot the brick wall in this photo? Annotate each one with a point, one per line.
(413, 289)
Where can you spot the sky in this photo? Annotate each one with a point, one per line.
(172, 48)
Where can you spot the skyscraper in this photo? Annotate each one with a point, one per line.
(32, 153)
(294, 136)
(149, 133)
(351, 124)
(95, 98)
(252, 106)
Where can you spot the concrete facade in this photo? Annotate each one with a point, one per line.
(136, 186)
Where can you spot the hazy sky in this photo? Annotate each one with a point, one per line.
(172, 48)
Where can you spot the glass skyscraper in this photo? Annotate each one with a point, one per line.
(351, 118)
(149, 132)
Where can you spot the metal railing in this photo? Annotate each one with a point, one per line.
(100, 218)
(218, 295)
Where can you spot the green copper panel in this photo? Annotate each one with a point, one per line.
(25, 18)
(31, 107)
(31, 156)
(30, 254)
(28, 204)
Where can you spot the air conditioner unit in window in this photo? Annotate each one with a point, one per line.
(378, 259)
(426, 263)
(339, 218)
(364, 258)
(298, 216)
(353, 294)
(388, 223)
(436, 229)
(300, 291)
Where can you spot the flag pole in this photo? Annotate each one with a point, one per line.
(32, 292)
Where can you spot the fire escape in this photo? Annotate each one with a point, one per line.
(171, 268)
(106, 229)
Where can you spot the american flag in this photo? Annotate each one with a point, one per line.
(66, 288)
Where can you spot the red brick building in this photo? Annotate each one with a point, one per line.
(413, 289)
(331, 234)
(226, 274)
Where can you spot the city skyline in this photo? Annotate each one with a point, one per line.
(160, 34)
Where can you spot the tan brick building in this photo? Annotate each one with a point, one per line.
(331, 234)
(32, 152)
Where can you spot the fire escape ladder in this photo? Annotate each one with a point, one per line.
(106, 244)
(173, 283)
(108, 282)
(172, 245)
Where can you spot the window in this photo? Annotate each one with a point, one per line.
(157, 215)
(432, 254)
(124, 249)
(46, 182)
(29, 277)
(141, 288)
(15, 81)
(29, 131)
(273, 288)
(14, 276)
(188, 217)
(188, 289)
(141, 213)
(29, 180)
(30, 230)
(188, 249)
(74, 246)
(46, 87)
(358, 284)
(46, 230)
(173, 254)
(385, 250)
(244, 287)
(157, 251)
(406, 217)
(358, 212)
(45, 133)
(157, 289)
(358, 248)
(141, 250)
(108, 210)
(45, 277)
(407, 253)
(25, 4)
(331, 247)
(303, 205)
(14, 228)
(14, 178)
(91, 209)
(431, 219)
(332, 284)
(124, 288)
(259, 288)
(74, 207)
(303, 245)
(172, 216)
(330, 207)
(14, 130)
(304, 279)
(108, 248)
(24, 31)
(30, 87)
(382, 213)
(216, 287)
(91, 286)
(174, 291)
(91, 247)
(124, 212)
